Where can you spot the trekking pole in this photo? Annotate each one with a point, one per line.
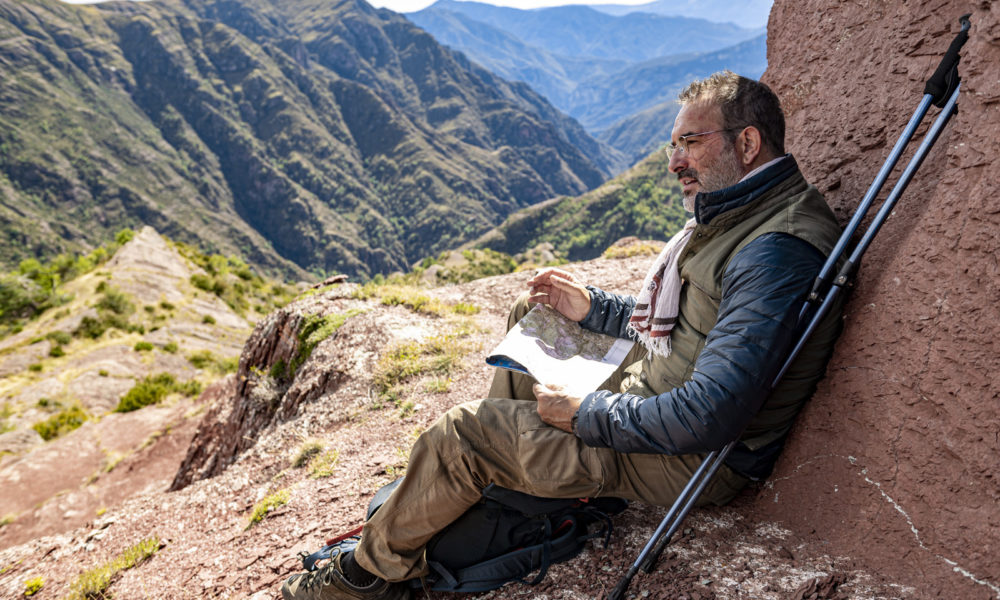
(942, 90)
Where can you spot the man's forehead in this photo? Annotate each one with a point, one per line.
(696, 117)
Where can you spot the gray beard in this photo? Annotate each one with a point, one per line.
(725, 172)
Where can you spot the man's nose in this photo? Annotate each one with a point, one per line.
(678, 162)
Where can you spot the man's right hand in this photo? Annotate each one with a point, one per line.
(561, 291)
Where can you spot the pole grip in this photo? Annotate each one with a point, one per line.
(945, 78)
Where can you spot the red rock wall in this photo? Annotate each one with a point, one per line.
(895, 461)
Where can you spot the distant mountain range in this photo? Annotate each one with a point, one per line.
(302, 135)
(601, 69)
(746, 13)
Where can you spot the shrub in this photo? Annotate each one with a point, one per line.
(153, 389)
(204, 359)
(90, 327)
(166, 305)
(56, 351)
(35, 367)
(103, 373)
(268, 504)
(170, 347)
(60, 337)
(208, 319)
(116, 302)
(61, 423)
(142, 346)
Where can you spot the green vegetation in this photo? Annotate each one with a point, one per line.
(644, 202)
(438, 385)
(143, 346)
(61, 423)
(113, 309)
(232, 280)
(93, 583)
(308, 450)
(7, 519)
(103, 373)
(265, 506)
(208, 320)
(324, 465)
(34, 286)
(170, 347)
(153, 389)
(33, 586)
(56, 351)
(314, 329)
(474, 264)
(397, 293)
(437, 356)
(639, 248)
(220, 365)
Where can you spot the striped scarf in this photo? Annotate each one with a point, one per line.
(656, 306)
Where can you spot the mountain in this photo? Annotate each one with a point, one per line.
(747, 13)
(601, 70)
(639, 92)
(582, 31)
(303, 135)
(644, 202)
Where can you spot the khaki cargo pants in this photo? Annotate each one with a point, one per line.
(502, 440)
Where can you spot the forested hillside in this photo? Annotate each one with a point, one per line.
(302, 135)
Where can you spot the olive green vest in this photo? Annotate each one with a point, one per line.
(792, 207)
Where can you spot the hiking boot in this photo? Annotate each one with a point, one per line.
(329, 582)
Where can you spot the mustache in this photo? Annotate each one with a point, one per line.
(689, 172)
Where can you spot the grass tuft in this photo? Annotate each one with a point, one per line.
(265, 506)
(33, 586)
(93, 584)
(308, 450)
(324, 465)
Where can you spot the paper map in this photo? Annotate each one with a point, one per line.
(557, 351)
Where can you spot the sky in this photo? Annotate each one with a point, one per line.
(414, 5)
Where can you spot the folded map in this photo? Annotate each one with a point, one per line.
(558, 352)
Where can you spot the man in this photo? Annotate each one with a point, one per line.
(715, 317)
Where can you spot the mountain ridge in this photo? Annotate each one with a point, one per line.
(360, 147)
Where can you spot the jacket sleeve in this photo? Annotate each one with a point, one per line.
(609, 313)
(763, 289)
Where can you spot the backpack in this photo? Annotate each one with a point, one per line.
(504, 537)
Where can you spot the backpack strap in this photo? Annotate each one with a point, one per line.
(512, 566)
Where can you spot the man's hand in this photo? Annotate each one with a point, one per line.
(556, 407)
(561, 291)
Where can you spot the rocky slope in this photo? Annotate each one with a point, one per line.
(304, 136)
(52, 486)
(336, 402)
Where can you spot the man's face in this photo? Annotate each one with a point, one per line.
(708, 162)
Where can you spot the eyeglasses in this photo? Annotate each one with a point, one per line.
(683, 144)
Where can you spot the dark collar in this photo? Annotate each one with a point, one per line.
(709, 205)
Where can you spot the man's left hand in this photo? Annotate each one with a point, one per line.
(555, 406)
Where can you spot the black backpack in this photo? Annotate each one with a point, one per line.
(505, 537)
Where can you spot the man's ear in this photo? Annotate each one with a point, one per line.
(749, 145)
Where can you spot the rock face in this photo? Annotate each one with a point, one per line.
(895, 460)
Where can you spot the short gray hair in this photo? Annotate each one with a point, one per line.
(744, 102)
